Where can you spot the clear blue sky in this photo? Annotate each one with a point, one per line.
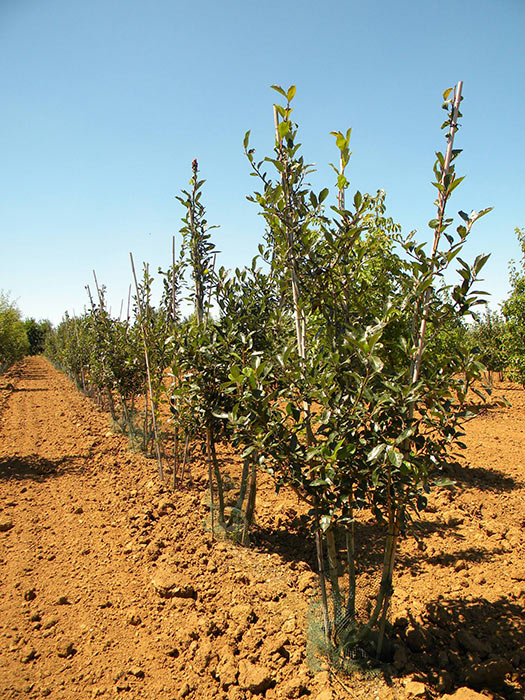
(105, 103)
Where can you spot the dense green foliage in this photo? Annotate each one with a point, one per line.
(514, 314)
(36, 335)
(13, 336)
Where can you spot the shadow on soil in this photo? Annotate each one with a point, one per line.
(20, 390)
(483, 478)
(455, 643)
(38, 468)
(474, 643)
(294, 542)
(474, 554)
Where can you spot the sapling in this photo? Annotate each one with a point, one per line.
(386, 414)
(196, 360)
(142, 322)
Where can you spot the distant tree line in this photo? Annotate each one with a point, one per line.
(498, 337)
(19, 337)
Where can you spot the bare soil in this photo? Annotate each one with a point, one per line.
(112, 586)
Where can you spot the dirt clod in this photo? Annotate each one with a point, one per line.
(6, 524)
(66, 649)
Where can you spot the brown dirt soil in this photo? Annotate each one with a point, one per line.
(111, 586)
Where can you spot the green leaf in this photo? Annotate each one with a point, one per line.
(284, 128)
(235, 373)
(342, 182)
(222, 415)
(374, 454)
(291, 93)
(323, 194)
(325, 521)
(394, 456)
(278, 89)
(376, 363)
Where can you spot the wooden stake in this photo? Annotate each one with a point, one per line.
(437, 235)
(148, 374)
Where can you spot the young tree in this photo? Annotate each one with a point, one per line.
(357, 412)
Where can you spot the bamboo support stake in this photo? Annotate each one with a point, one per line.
(333, 572)
(210, 483)
(437, 235)
(129, 304)
(350, 558)
(148, 373)
(209, 293)
(300, 321)
(300, 330)
(173, 284)
(175, 458)
(322, 580)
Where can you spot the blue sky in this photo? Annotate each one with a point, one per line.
(105, 103)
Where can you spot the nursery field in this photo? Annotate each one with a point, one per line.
(112, 585)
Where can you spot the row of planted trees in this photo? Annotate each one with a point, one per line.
(322, 363)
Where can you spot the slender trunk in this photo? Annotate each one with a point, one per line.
(244, 483)
(128, 420)
(250, 506)
(388, 594)
(175, 457)
(333, 572)
(186, 456)
(385, 589)
(350, 557)
(210, 482)
(218, 477)
(82, 374)
(322, 582)
(111, 403)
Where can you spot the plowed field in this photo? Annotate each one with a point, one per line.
(112, 586)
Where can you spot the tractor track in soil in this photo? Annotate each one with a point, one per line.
(111, 586)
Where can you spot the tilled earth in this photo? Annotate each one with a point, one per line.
(112, 586)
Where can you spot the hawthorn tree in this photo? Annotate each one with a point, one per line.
(356, 413)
